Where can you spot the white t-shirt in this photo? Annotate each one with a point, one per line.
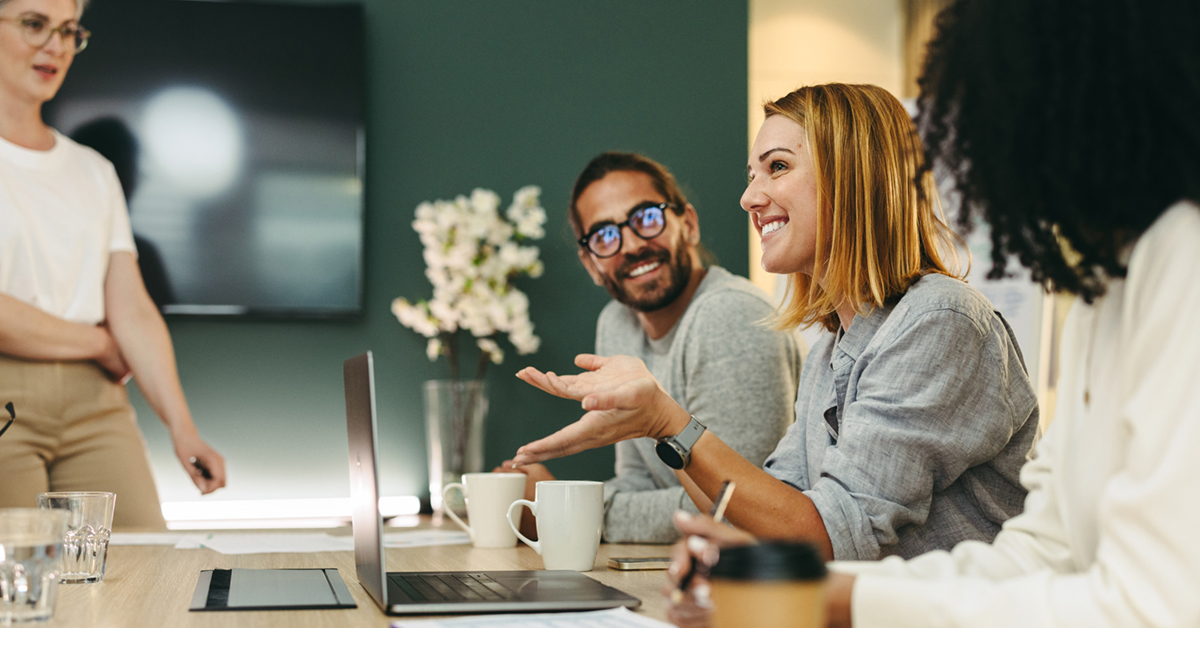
(62, 213)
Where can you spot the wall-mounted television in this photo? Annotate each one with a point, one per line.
(241, 128)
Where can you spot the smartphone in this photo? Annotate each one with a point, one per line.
(640, 563)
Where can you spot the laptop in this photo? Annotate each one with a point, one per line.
(442, 592)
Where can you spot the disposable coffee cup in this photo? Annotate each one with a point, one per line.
(770, 585)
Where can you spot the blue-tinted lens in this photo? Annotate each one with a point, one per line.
(606, 240)
(648, 222)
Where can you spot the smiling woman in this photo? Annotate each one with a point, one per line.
(913, 417)
(75, 319)
(867, 227)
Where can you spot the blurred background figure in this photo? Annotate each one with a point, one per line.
(111, 138)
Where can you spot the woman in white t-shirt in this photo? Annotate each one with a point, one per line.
(75, 319)
(1075, 134)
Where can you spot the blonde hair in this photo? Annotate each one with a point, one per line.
(80, 5)
(877, 232)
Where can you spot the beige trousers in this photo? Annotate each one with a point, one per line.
(75, 430)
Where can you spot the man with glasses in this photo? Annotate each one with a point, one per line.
(697, 328)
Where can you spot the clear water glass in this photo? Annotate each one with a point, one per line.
(30, 560)
(89, 525)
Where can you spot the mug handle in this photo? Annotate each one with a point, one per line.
(450, 512)
(536, 545)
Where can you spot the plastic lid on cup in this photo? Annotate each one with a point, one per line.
(769, 562)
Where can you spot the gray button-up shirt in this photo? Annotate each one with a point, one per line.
(912, 425)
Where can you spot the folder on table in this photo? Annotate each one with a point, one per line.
(270, 589)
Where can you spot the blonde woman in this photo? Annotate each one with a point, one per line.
(914, 415)
(75, 318)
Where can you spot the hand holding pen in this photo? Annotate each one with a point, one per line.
(717, 514)
(203, 464)
(200, 468)
(692, 558)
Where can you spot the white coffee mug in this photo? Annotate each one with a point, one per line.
(488, 496)
(570, 515)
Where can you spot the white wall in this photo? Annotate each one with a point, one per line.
(805, 42)
(802, 42)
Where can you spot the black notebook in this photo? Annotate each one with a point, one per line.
(270, 589)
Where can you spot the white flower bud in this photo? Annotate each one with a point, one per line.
(433, 349)
(492, 349)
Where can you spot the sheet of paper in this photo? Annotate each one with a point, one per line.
(619, 617)
(256, 543)
(151, 538)
(241, 543)
(192, 542)
(424, 537)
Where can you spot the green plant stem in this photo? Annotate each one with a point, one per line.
(450, 348)
(484, 358)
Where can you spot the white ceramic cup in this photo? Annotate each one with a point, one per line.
(569, 515)
(488, 495)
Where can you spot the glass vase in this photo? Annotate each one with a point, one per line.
(455, 412)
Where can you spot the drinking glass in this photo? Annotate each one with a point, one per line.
(89, 524)
(30, 560)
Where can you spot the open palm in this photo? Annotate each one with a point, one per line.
(622, 398)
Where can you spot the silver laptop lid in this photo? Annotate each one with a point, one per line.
(359, 373)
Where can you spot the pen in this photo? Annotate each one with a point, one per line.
(200, 467)
(717, 513)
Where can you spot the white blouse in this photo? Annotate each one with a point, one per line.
(1110, 535)
(62, 213)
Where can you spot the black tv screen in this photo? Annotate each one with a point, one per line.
(237, 130)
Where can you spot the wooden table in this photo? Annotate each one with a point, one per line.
(152, 586)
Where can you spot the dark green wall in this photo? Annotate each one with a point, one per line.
(464, 94)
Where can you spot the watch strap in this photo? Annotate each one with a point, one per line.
(676, 450)
(690, 434)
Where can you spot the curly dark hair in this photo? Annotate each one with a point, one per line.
(1065, 121)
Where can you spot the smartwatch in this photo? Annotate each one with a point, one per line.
(676, 450)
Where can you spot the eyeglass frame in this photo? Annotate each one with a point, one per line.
(584, 242)
(12, 414)
(79, 30)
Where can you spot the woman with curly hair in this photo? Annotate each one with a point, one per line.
(1073, 129)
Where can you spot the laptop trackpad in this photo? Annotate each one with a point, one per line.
(551, 586)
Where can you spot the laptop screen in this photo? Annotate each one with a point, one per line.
(359, 373)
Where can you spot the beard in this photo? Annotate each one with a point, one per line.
(679, 271)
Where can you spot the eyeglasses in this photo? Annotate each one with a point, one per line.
(37, 32)
(12, 414)
(647, 222)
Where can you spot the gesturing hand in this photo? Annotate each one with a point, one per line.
(623, 401)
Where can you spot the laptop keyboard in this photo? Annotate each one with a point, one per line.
(446, 588)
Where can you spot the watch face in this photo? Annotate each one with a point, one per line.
(670, 454)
